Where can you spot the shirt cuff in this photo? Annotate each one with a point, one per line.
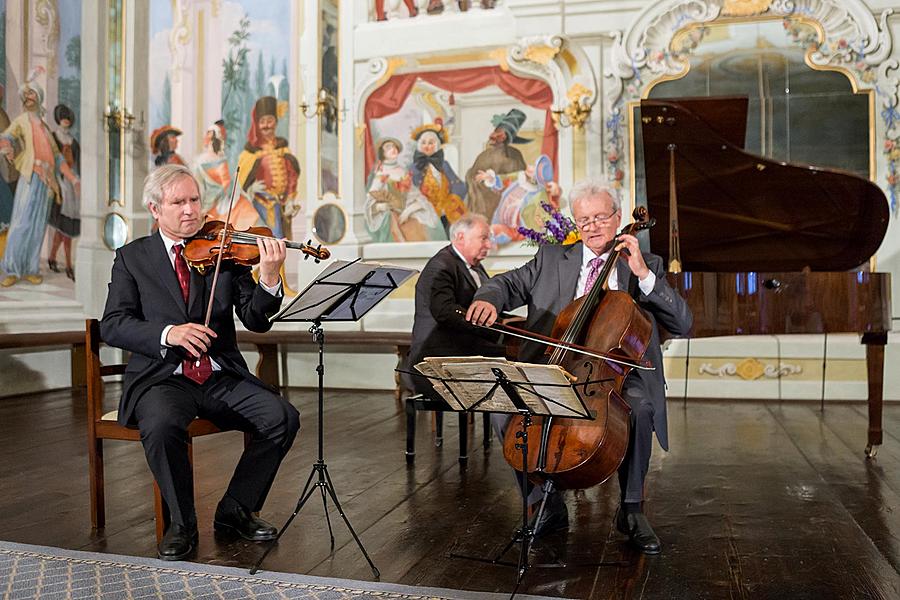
(162, 340)
(274, 290)
(648, 283)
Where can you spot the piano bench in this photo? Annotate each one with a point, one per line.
(423, 402)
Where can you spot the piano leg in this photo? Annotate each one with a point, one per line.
(875, 343)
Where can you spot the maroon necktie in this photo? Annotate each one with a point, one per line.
(195, 370)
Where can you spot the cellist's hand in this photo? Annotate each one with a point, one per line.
(482, 313)
(636, 263)
(271, 257)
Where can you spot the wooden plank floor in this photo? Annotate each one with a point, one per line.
(755, 500)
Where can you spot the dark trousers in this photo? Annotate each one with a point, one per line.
(164, 412)
(636, 463)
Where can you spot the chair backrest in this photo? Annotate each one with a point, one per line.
(95, 370)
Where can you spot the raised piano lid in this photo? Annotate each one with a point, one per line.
(741, 212)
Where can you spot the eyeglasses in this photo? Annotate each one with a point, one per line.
(596, 220)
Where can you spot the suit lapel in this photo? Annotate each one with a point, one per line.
(569, 270)
(166, 273)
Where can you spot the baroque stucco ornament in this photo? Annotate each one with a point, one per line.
(853, 41)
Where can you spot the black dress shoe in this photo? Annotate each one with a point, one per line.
(554, 518)
(639, 531)
(239, 520)
(178, 542)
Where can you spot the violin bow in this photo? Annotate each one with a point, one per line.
(212, 293)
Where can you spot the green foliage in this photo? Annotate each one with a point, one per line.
(237, 101)
(73, 53)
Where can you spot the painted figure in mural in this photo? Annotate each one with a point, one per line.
(269, 172)
(522, 194)
(28, 143)
(212, 173)
(164, 145)
(500, 157)
(8, 178)
(267, 159)
(433, 176)
(65, 216)
(180, 369)
(380, 15)
(436, 7)
(392, 213)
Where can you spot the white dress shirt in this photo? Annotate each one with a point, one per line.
(169, 244)
(587, 255)
(472, 271)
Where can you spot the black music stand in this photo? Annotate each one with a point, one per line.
(526, 397)
(345, 291)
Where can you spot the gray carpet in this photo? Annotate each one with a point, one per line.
(28, 572)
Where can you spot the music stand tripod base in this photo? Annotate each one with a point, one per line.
(345, 291)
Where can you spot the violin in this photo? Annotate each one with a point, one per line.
(202, 251)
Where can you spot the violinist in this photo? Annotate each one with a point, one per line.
(559, 274)
(180, 369)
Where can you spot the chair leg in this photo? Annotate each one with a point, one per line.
(98, 501)
(410, 431)
(486, 420)
(463, 438)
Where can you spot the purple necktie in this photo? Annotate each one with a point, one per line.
(196, 370)
(596, 264)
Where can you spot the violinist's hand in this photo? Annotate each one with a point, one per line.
(482, 313)
(193, 337)
(271, 257)
(636, 263)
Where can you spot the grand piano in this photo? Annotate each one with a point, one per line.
(758, 246)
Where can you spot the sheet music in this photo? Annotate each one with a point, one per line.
(469, 379)
(564, 400)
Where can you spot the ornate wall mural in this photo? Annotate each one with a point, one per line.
(220, 81)
(40, 195)
(446, 135)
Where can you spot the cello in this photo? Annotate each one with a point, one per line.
(576, 453)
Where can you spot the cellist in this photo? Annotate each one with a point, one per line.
(559, 274)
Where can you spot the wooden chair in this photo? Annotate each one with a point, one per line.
(103, 426)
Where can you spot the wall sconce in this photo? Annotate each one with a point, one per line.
(577, 111)
(326, 106)
(116, 118)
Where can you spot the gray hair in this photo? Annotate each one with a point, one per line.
(590, 188)
(467, 222)
(160, 180)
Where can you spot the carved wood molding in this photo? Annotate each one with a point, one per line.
(851, 39)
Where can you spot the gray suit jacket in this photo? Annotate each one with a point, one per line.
(547, 283)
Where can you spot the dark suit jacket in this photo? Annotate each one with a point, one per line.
(144, 297)
(547, 284)
(443, 293)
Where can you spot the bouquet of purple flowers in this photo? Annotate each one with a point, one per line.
(558, 229)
